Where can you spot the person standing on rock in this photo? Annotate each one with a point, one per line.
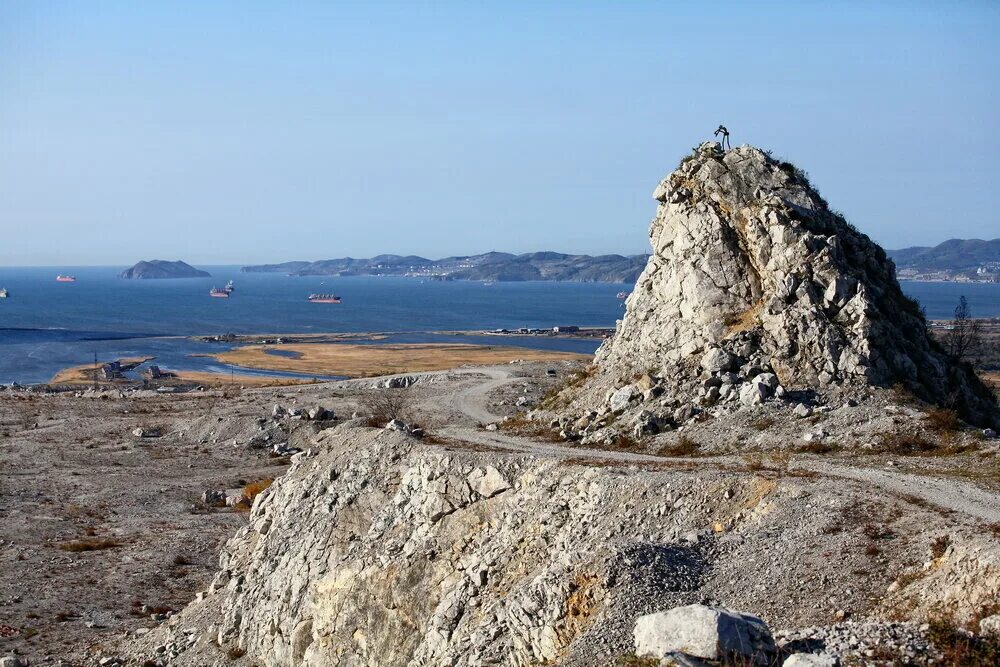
(725, 136)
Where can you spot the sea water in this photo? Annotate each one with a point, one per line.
(46, 326)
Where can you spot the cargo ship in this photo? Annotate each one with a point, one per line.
(218, 293)
(65, 279)
(323, 298)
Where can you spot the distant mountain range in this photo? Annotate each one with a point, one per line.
(160, 268)
(497, 266)
(955, 259)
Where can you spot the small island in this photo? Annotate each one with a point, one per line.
(159, 268)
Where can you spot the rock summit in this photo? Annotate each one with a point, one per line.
(753, 273)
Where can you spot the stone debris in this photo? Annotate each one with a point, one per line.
(811, 660)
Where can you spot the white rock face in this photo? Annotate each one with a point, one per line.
(704, 632)
(990, 625)
(751, 268)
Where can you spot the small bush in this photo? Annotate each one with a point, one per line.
(763, 423)
(633, 660)
(959, 648)
(942, 420)
(817, 447)
(235, 652)
(684, 446)
(754, 461)
(624, 441)
(905, 444)
(89, 544)
(384, 405)
(939, 546)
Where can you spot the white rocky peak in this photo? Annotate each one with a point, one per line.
(751, 268)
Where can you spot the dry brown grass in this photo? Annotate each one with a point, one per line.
(89, 544)
(906, 444)
(960, 648)
(519, 425)
(251, 491)
(367, 360)
(744, 321)
(817, 447)
(684, 446)
(941, 420)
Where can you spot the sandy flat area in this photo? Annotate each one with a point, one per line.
(367, 360)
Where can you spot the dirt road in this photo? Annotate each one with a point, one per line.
(472, 402)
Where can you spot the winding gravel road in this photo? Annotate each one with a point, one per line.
(472, 403)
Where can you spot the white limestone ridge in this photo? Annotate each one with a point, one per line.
(751, 268)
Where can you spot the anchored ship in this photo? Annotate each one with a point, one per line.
(218, 293)
(65, 279)
(323, 298)
(3, 293)
(228, 289)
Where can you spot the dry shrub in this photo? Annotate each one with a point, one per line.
(905, 444)
(632, 660)
(251, 491)
(89, 544)
(942, 420)
(939, 546)
(624, 441)
(763, 423)
(235, 652)
(384, 405)
(780, 459)
(684, 446)
(874, 531)
(754, 461)
(960, 648)
(817, 447)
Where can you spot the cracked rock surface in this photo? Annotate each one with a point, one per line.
(752, 272)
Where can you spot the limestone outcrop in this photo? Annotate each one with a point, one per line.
(752, 272)
(380, 549)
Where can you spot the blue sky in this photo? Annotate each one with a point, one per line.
(249, 132)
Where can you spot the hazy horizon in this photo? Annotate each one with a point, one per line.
(210, 263)
(247, 133)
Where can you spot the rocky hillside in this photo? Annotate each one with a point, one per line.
(160, 268)
(498, 266)
(379, 550)
(755, 287)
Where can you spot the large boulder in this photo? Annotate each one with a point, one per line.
(706, 632)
